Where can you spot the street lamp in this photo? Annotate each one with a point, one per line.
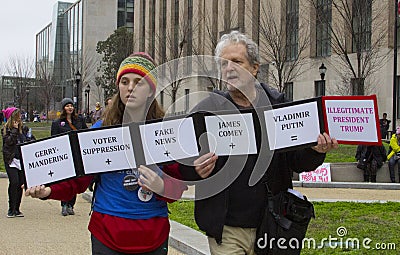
(87, 91)
(78, 80)
(27, 105)
(322, 71)
(320, 85)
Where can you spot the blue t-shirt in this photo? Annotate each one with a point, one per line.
(113, 199)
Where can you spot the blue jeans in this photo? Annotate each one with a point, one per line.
(392, 163)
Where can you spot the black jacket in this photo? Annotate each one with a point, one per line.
(211, 213)
(377, 153)
(61, 126)
(11, 138)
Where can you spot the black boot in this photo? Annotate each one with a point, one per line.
(366, 178)
(373, 178)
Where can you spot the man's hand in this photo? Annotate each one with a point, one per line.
(325, 143)
(205, 164)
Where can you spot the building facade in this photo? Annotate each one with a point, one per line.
(66, 57)
(352, 39)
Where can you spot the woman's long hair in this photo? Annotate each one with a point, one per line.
(114, 114)
(14, 117)
(63, 114)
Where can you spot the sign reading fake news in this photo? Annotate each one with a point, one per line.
(352, 119)
(106, 150)
(47, 161)
(168, 140)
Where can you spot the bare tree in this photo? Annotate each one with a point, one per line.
(176, 42)
(358, 30)
(22, 69)
(46, 85)
(286, 59)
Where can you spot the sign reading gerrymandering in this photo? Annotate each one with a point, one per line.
(49, 161)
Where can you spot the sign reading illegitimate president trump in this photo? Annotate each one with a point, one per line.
(352, 119)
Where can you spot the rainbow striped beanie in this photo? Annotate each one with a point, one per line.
(140, 63)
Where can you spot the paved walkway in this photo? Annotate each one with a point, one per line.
(43, 230)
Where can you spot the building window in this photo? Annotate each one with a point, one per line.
(323, 25)
(292, 28)
(288, 90)
(319, 88)
(362, 19)
(357, 86)
(187, 100)
(142, 33)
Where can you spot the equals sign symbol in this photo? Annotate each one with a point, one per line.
(293, 137)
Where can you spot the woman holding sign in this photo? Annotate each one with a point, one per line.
(130, 213)
(68, 121)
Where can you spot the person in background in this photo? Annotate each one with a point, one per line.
(68, 121)
(12, 136)
(374, 157)
(108, 101)
(384, 125)
(127, 219)
(394, 154)
(230, 218)
(97, 113)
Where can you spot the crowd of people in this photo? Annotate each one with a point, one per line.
(133, 218)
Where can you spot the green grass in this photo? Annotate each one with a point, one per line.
(376, 221)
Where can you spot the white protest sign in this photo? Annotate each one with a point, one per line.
(231, 134)
(352, 120)
(48, 161)
(292, 125)
(105, 150)
(169, 140)
(321, 174)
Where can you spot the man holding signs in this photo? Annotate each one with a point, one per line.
(231, 207)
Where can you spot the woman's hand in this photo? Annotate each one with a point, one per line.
(150, 180)
(38, 191)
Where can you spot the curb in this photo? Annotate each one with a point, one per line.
(348, 185)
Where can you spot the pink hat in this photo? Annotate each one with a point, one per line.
(7, 112)
(397, 130)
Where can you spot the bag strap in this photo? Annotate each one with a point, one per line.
(280, 219)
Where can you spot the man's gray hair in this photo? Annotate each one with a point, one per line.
(237, 37)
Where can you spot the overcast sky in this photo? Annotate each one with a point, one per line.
(20, 21)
